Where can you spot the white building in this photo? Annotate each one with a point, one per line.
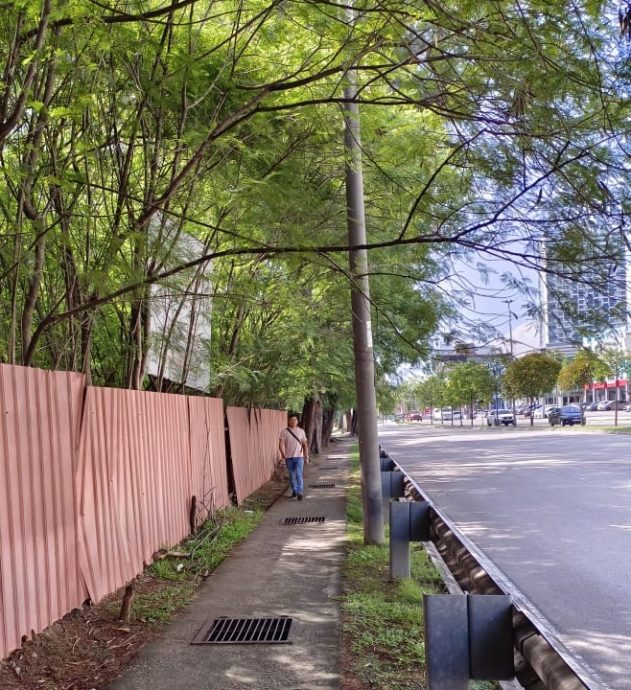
(594, 314)
(181, 306)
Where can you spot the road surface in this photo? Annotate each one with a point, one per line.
(552, 509)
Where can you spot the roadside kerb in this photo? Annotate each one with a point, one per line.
(541, 659)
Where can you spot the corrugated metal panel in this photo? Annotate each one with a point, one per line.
(91, 488)
(209, 476)
(39, 575)
(133, 482)
(254, 446)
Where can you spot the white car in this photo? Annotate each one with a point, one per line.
(500, 416)
(542, 411)
(446, 414)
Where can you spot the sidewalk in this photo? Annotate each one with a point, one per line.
(279, 570)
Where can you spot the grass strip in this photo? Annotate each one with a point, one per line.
(382, 622)
(169, 583)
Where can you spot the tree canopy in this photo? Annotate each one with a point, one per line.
(489, 130)
(531, 376)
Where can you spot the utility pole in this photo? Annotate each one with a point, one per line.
(362, 327)
(508, 302)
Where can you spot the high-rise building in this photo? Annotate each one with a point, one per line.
(577, 313)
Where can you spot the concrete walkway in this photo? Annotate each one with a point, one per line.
(278, 570)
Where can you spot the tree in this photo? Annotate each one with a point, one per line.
(116, 124)
(580, 371)
(531, 376)
(618, 365)
(472, 383)
(432, 392)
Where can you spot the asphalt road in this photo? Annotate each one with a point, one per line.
(552, 509)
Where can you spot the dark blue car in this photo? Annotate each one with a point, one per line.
(569, 414)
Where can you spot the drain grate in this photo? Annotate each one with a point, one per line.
(246, 631)
(321, 486)
(303, 520)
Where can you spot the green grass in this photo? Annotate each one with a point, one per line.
(169, 583)
(384, 647)
(208, 548)
(614, 429)
(160, 605)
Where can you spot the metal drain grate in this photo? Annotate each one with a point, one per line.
(246, 631)
(303, 520)
(321, 486)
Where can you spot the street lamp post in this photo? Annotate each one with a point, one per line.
(508, 302)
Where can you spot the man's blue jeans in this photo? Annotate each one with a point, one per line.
(295, 467)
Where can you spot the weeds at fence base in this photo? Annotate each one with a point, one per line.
(90, 647)
(383, 645)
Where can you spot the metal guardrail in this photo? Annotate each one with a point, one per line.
(542, 662)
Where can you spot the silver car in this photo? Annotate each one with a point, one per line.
(500, 416)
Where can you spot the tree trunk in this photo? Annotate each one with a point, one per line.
(316, 439)
(348, 423)
(310, 422)
(126, 606)
(328, 419)
(354, 421)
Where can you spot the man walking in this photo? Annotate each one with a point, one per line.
(294, 451)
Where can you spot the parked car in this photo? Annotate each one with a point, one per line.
(416, 416)
(608, 405)
(591, 407)
(568, 414)
(528, 412)
(446, 414)
(449, 413)
(539, 412)
(627, 407)
(500, 416)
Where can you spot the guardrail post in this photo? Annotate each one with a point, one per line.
(392, 486)
(491, 637)
(446, 641)
(387, 465)
(409, 521)
(467, 637)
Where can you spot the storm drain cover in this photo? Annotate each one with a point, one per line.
(246, 631)
(303, 520)
(321, 486)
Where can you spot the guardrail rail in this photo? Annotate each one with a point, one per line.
(542, 662)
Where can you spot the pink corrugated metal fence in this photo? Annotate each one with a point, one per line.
(254, 437)
(39, 573)
(94, 480)
(133, 482)
(209, 473)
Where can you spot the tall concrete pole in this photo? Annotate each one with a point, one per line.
(362, 327)
(508, 302)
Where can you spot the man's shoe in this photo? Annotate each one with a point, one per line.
(293, 494)
(300, 497)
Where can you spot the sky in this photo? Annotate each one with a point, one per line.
(491, 308)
